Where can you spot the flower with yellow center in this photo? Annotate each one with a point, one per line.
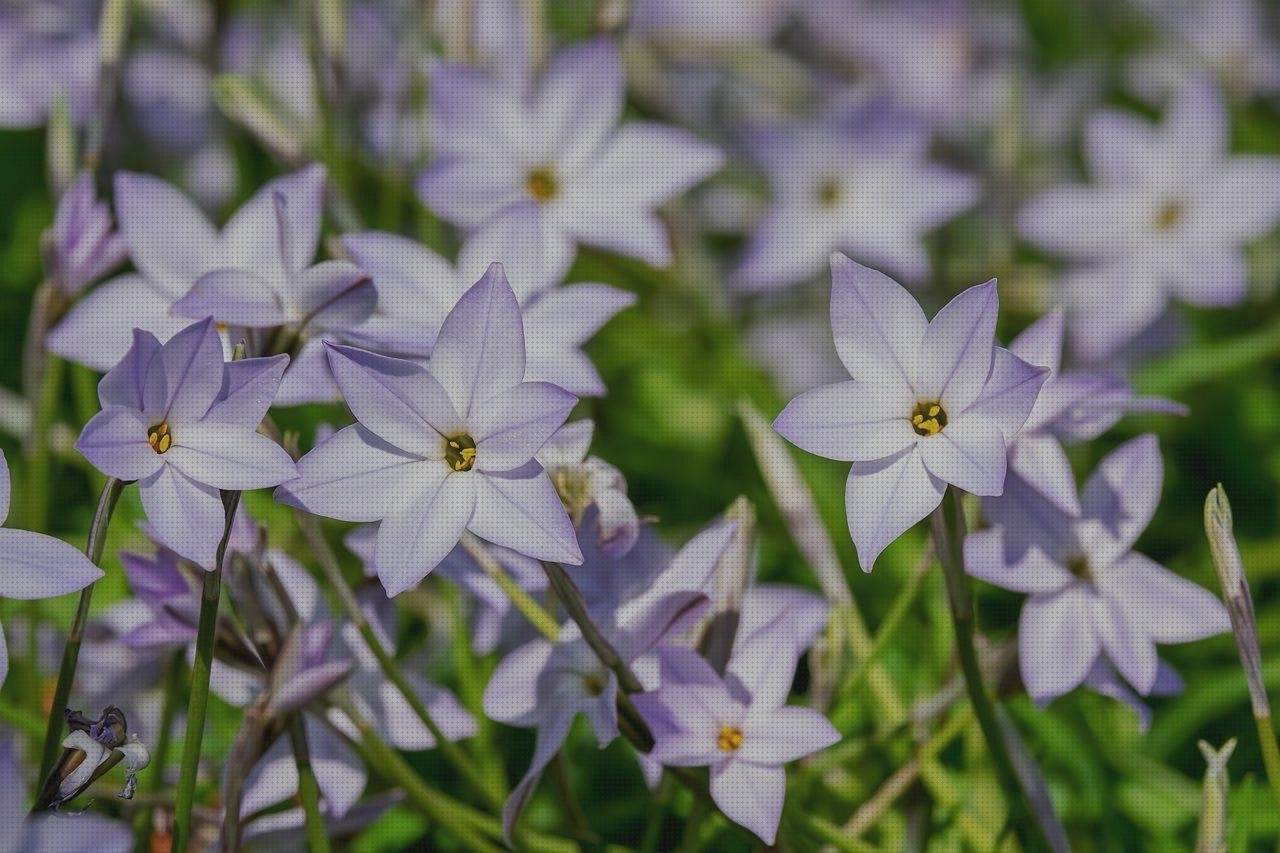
(541, 184)
(160, 438)
(460, 452)
(928, 418)
(729, 739)
(1169, 216)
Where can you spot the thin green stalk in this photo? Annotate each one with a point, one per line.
(536, 614)
(160, 755)
(487, 786)
(198, 703)
(71, 652)
(39, 459)
(948, 535)
(308, 791)
(1270, 753)
(571, 597)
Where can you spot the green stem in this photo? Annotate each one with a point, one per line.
(536, 614)
(198, 703)
(571, 597)
(1270, 753)
(71, 652)
(488, 787)
(308, 791)
(39, 459)
(948, 535)
(160, 756)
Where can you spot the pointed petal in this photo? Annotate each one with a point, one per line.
(229, 457)
(413, 542)
(1042, 463)
(480, 350)
(956, 357)
(511, 695)
(115, 442)
(750, 795)
(509, 429)
(551, 736)
(97, 331)
(124, 384)
(521, 510)
(1121, 496)
(237, 297)
(1056, 642)
(986, 557)
(785, 734)
(849, 421)
(1040, 344)
(192, 366)
(253, 238)
(1132, 653)
(1010, 393)
(968, 453)
(534, 250)
(334, 295)
(1160, 604)
(248, 388)
(879, 327)
(186, 515)
(33, 565)
(398, 400)
(885, 498)
(355, 476)
(169, 239)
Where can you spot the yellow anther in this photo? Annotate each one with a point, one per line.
(460, 452)
(729, 739)
(1169, 216)
(928, 418)
(541, 184)
(830, 193)
(160, 438)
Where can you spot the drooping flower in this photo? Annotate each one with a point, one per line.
(585, 481)
(739, 725)
(930, 403)
(444, 448)
(33, 565)
(872, 195)
(1073, 407)
(417, 288)
(183, 423)
(546, 684)
(533, 171)
(1167, 216)
(173, 245)
(82, 245)
(1091, 596)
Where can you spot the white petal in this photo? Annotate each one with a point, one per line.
(480, 350)
(968, 453)
(33, 565)
(879, 327)
(412, 543)
(849, 421)
(955, 359)
(750, 795)
(521, 510)
(885, 498)
(1056, 642)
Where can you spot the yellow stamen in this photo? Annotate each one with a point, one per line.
(160, 438)
(541, 184)
(928, 418)
(829, 193)
(1169, 216)
(460, 452)
(729, 739)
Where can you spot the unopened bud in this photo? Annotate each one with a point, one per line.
(1235, 592)
(1212, 837)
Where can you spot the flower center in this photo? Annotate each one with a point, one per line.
(1079, 566)
(460, 452)
(829, 193)
(160, 438)
(729, 739)
(928, 418)
(541, 184)
(1169, 216)
(593, 684)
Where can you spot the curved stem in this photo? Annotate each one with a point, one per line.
(198, 703)
(948, 535)
(71, 652)
(533, 611)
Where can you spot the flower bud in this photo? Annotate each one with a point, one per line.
(1212, 837)
(1235, 590)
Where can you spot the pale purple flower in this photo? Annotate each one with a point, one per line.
(585, 481)
(1073, 407)
(696, 27)
(1103, 679)
(1167, 216)
(531, 172)
(82, 244)
(417, 288)
(47, 47)
(546, 684)
(930, 402)
(173, 245)
(1091, 596)
(739, 725)
(33, 565)
(183, 423)
(871, 195)
(444, 448)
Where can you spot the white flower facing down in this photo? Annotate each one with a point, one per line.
(930, 402)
